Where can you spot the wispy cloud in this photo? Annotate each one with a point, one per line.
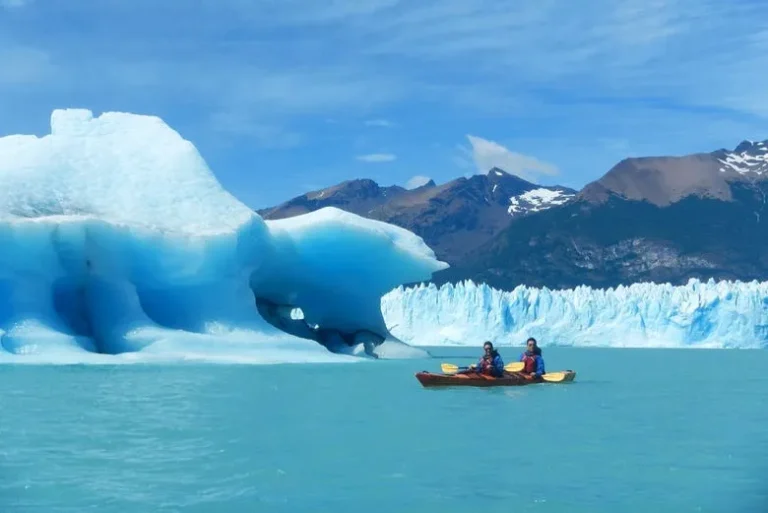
(377, 157)
(387, 51)
(23, 65)
(417, 181)
(489, 154)
(619, 49)
(271, 63)
(308, 12)
(383, 123)
(14, 4)
(262, 135)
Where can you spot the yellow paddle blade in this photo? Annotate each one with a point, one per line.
(514, 367)
(559, 377)
(449, 368)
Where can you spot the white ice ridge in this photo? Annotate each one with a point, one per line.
(118, 240)
(699, 314)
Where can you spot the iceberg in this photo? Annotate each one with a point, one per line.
(696, 315)
(119, 244)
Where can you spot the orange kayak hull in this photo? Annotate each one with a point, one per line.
(428, 379)
(510, 379)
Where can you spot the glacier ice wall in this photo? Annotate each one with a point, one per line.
(118, 240)
(700, 314)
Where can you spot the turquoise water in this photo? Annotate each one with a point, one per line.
(639, 430)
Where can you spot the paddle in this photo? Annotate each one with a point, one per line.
(558, 377)
(449, 368)
(552, 377)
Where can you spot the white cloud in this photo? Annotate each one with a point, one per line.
(489, 154)
(416, 181)
(383, 123)
(377, 157)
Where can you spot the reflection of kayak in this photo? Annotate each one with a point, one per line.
(510, 379)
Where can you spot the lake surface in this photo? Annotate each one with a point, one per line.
(638, 431)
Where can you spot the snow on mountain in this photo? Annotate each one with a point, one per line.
(699, 314)
(748, 157)
(537, 200)
(118, 240)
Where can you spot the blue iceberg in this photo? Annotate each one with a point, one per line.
(119, 244)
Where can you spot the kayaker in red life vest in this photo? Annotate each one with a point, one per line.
(534, 363)
(491, 362)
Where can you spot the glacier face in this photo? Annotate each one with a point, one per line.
(699, 314)
(118, 240)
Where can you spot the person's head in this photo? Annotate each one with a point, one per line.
(488, 348)
(532, 346)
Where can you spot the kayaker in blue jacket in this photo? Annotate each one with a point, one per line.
(534, 363)
(490, 363)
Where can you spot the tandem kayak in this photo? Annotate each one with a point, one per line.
(510, 379)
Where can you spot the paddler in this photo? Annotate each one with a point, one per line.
(490, 363)
(531, 357)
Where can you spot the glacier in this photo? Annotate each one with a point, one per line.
(698, 314)
(120, 245)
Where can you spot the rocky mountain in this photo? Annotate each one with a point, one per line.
(662, 219)
(453, 218)
(663, 181)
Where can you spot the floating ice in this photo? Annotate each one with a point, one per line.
(118, 240)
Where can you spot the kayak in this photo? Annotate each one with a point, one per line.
(510, 379)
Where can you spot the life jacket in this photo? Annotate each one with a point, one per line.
(530, 364)
(486, 365)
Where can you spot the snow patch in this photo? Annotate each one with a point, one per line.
(537, 200)
(751, 161)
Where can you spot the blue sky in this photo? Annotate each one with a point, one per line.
(285, 96)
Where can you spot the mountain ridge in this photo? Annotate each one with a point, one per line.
(452, 218)
(653, 218)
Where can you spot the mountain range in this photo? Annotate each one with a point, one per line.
(659, 219)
